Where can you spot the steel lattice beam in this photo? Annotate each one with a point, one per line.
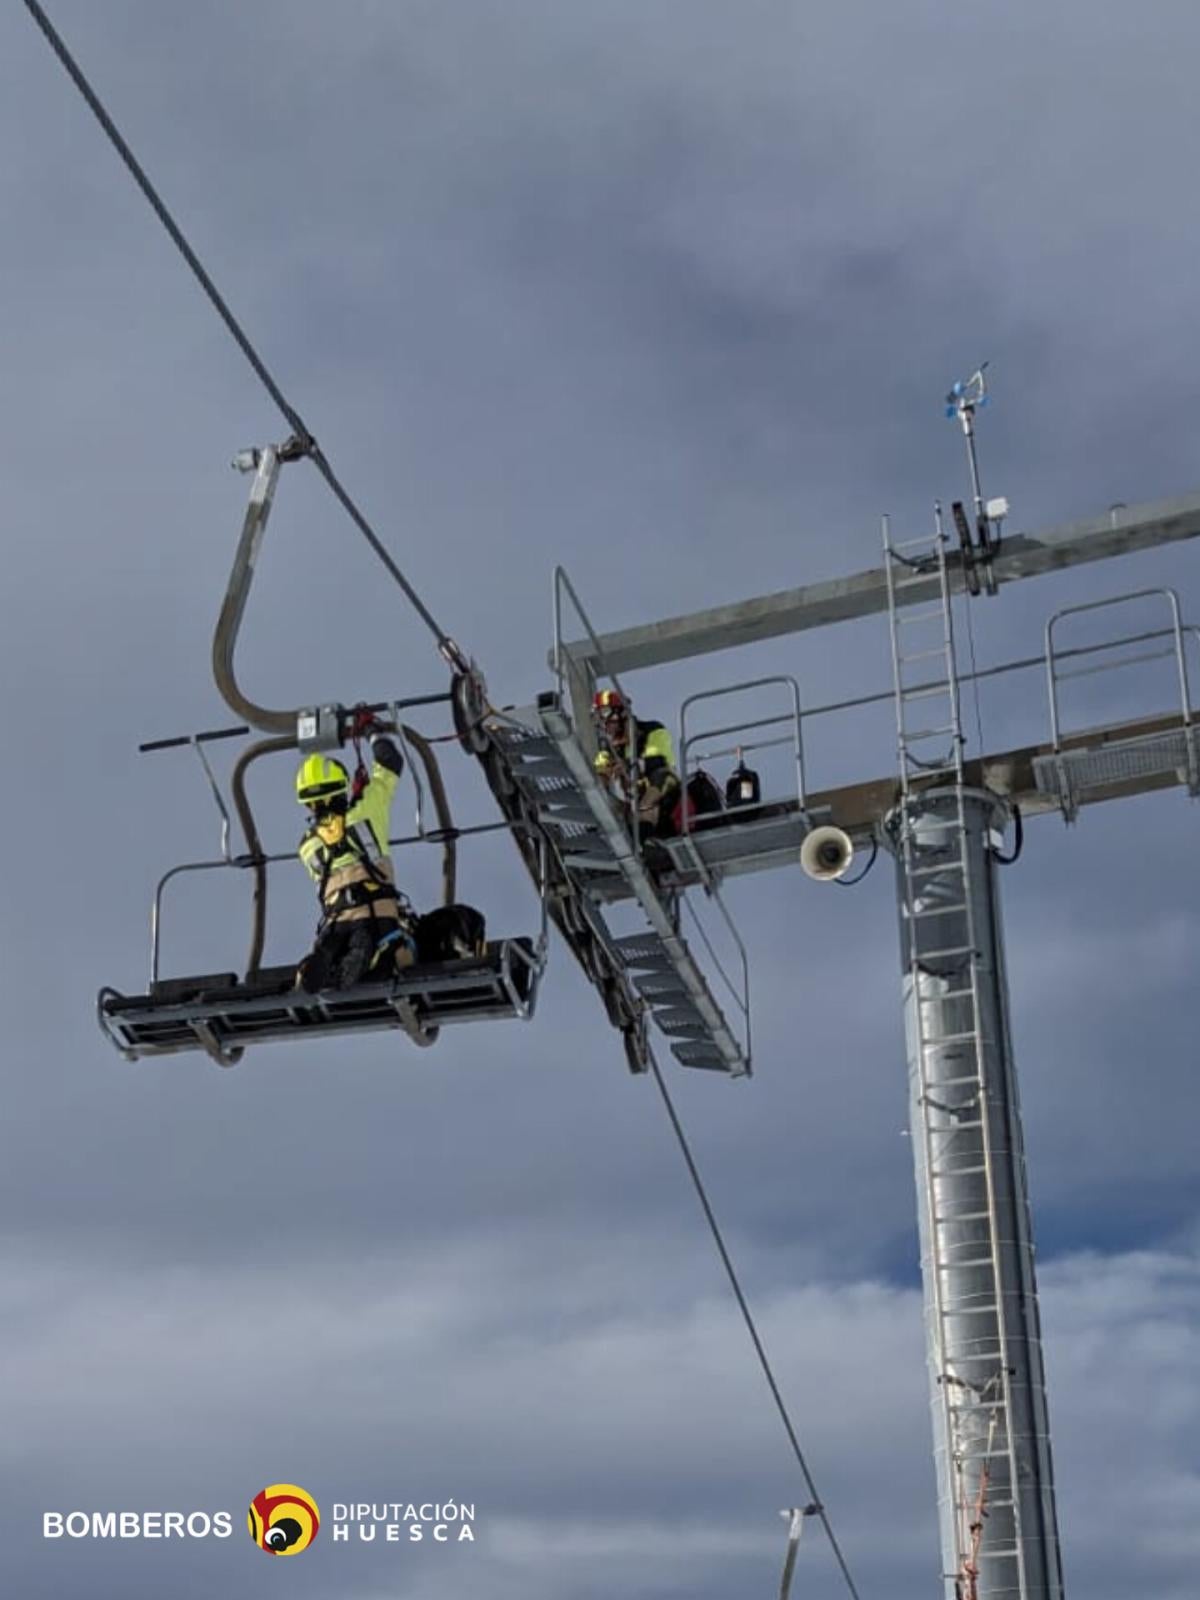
(1121, 531)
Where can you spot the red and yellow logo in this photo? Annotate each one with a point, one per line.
(283, 1519)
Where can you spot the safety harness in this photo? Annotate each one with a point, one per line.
(366, 892)
(656, 774)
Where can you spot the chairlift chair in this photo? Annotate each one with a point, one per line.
(221, 1013)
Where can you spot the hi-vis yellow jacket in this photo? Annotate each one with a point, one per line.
(658, 782)
(354, 877)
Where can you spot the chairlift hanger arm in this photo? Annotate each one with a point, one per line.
(265, 464)
(282, 726)
(1121, 531)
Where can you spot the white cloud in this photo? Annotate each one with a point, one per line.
(669, 293)
(594, 1436)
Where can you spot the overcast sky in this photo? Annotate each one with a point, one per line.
(668, 293)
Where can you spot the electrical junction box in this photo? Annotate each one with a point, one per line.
(319, 728)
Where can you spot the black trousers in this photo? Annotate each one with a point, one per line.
(343, 954)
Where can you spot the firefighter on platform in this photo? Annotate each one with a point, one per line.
(366, 927)
(659, 793)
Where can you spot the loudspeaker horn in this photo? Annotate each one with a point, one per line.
(826, 853)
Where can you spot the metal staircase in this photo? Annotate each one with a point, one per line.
(541, 756)
(974, 1230)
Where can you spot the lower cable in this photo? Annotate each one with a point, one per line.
(751, 1327)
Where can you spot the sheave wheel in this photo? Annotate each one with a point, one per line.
(469, 704)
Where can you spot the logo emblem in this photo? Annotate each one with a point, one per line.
(283, 1519)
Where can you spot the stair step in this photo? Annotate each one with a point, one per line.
(532, 748)
(640, 947)
(952, 864)
(584, 833)
(700, 1053)
(925, 769)
(659, 986)
(936, 911)
(680, 1023)
(564, 801)
(578, 820)
(527, 763)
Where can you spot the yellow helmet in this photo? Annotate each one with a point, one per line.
(321, 779)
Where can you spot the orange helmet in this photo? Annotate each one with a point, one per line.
(606, 702)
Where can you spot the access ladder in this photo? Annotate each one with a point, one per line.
(949, 1058)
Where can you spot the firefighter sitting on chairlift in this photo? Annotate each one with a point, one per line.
(658, 788)
(366, 930)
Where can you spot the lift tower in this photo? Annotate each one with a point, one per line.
(943, 821)
(988, 1391)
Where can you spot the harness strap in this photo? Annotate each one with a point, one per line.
(363, 893)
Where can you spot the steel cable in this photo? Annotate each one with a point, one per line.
(751, 1327)
(449, 650)
(446, 645)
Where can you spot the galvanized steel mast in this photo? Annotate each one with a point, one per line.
(997, 1522)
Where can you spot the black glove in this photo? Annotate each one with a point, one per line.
(387, 755)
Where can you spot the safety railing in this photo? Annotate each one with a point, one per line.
(564, 588)
(747, 735)
(740, 995)
(245, 863)
(1055, 673)
(1079, 765)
